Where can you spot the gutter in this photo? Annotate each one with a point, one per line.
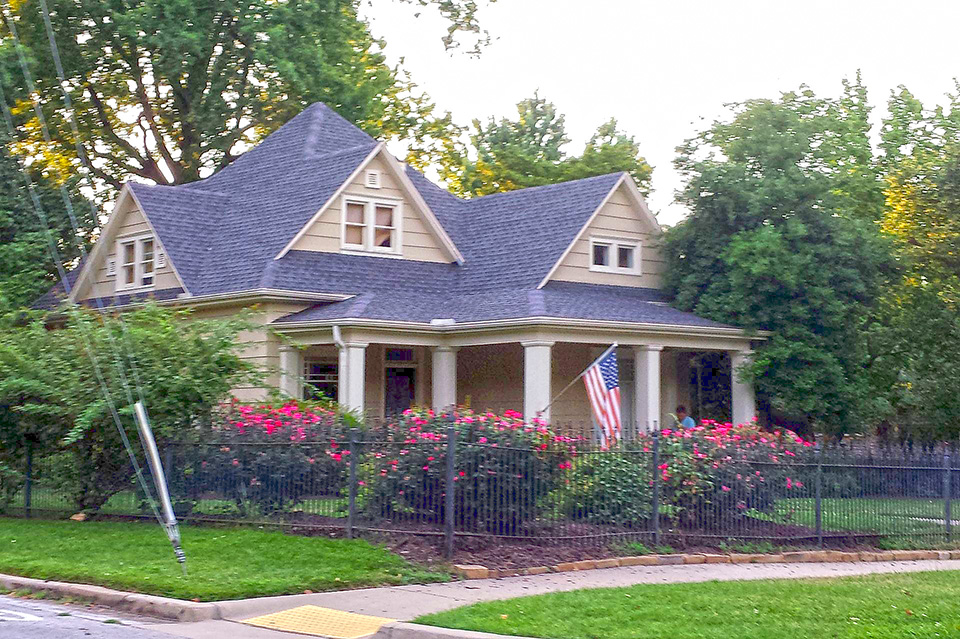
(466, 327)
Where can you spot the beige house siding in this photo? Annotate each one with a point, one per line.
(260, 346)
(131, 222)
(417, 241)
(620, 217)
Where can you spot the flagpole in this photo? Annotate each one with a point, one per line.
(577, 378)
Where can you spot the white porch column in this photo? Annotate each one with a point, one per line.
(351, 375)
(647, 390)
(291, 370)
(444, 377)
(536, 379)
(743, 400)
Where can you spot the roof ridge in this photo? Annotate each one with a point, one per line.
(542, 187)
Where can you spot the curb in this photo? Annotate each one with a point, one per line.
(475, 571)
(151, 605)
(403, 630)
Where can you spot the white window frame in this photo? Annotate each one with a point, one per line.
(321, 361)
(138, 262)
(615, 244)
(369, 225)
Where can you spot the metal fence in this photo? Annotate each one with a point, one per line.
(444, 488)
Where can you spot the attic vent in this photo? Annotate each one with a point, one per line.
(373, 179)
(112, 267)
(161, 259)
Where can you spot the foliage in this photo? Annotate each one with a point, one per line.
(27, 269)
(266, 458)
(169, 90)
(224, 563)
(513, 154)
(504, 468)
(722, 471)
(777, 241)
(612, 487)
(55, 385)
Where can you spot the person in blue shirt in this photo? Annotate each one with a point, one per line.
(684, 420)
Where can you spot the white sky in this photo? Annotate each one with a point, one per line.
(665, 69)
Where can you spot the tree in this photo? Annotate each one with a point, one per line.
(50, 389)
(27, 267)
(775, 241)
(166, 90)
(509, 154)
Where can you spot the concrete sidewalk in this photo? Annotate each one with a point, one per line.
(408, 602)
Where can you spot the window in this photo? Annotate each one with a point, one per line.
(320, 378)
(371, 225)
(615, 256)
(137, 258)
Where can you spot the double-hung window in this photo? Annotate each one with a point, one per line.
(137, 262)
(371, 225)
(612, 255)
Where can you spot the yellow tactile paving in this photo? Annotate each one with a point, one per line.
(320, 622)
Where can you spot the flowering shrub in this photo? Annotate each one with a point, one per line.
(609, 487)
(265, 458)
(504, 469)
(726, 470)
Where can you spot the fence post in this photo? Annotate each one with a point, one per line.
(28, 484)
(947, 493)
(655, 511)
(352, 507)
(818, 504)
(449, 488)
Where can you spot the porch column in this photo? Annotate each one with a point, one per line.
(291, 369)
(647, 390)
(536, 379)
(351, 376)
(444, 377)
(743, 402)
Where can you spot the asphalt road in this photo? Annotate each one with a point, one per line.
(34, 619)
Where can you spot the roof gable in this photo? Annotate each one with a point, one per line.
(403, 187)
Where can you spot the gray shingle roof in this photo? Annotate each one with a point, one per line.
(222, 233)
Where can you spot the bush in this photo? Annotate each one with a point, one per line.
(723, 471)
(610, 487)
(504, 469)
(265, 459)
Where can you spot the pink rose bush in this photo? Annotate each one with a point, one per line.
(504, 469)
(723, 471)
(265, 458)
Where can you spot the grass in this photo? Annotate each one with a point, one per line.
(128, 503)
(889, 516)
(223, 563)
(875, 606)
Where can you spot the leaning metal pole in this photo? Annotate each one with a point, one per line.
(160, 480)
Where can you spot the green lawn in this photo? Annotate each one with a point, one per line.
(876, 606)
(127, 503)
(223, 563)
(890, 516)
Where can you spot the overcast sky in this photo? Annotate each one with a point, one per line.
(665, 69)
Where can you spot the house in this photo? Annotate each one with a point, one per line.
(383, 290)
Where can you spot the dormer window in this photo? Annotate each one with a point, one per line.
(610, 255)
(136, 262)
(371, 225)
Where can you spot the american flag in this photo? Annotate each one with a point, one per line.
(603, 389)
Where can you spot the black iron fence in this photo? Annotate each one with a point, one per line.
(658, 490)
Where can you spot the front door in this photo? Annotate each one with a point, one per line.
(400, 390)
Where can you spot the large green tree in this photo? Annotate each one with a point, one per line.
(509, 154)
(777, 241)
(167, 89)
(27, 265)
